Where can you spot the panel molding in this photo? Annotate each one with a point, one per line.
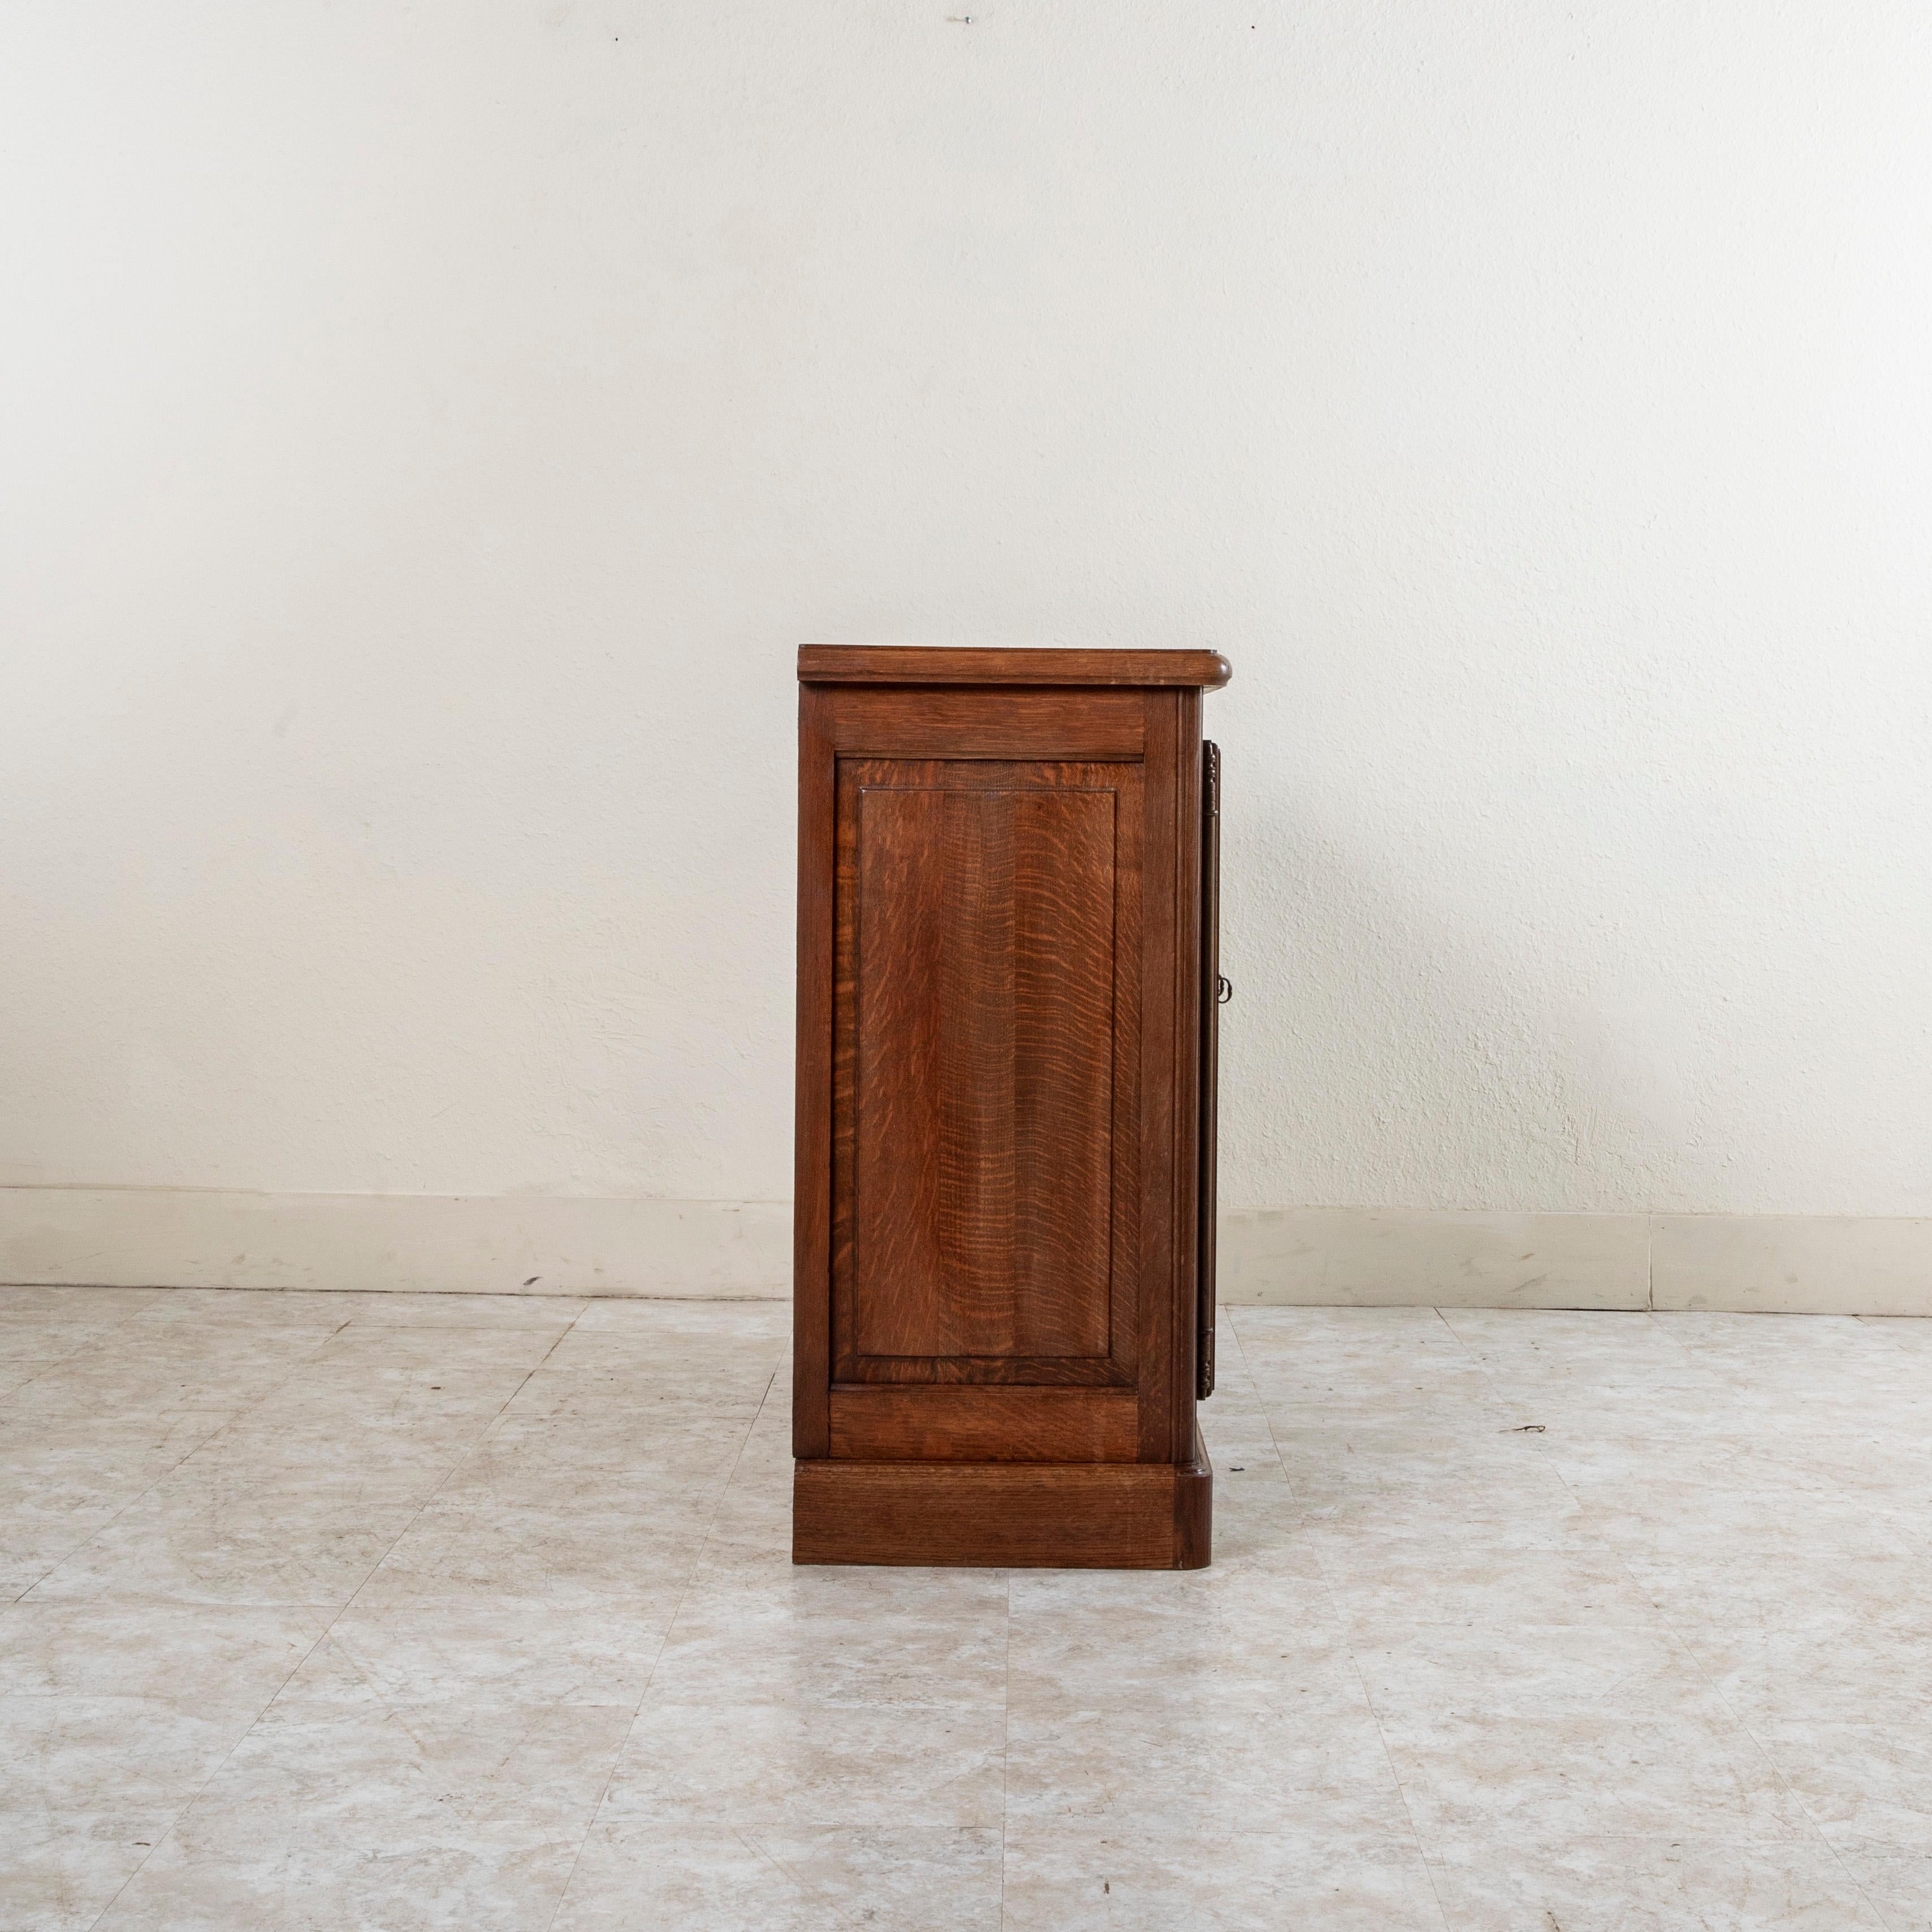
(940, 863)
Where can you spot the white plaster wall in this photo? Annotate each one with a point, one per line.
(428, 428)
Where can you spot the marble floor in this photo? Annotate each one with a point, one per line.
(335, 1612)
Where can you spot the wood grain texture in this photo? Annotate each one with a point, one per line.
(1163, 941)
(1180, 1291)
(983, 1092)
(899, 664)
(1055, 1516)
(985, 1017)
(996, 722)
(984, 1425)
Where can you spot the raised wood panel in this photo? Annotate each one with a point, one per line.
(983, 1095)
(991, 1425)
(986, 1138)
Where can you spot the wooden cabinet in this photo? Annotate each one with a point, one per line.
(1004, 1237)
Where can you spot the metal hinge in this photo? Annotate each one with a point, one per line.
(1210, 758)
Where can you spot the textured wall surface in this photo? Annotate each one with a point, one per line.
(430, 428)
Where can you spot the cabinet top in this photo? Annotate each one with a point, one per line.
(933, 664)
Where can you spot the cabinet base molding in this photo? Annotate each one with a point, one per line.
(1002, 1515)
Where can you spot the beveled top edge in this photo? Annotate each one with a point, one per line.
(943, 664)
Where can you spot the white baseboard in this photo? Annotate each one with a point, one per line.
(1279, 1257)
(1376, 1257)
(1792, 1263)
(479, 1244)
(1410, 1257)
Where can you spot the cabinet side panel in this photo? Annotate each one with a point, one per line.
(982, 1082)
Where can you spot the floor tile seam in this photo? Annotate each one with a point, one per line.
(1301, 1508)
(1870, 1322)
(596, 1811)
(1481, 1367)
(760, 1849)
(448, 1475)
(247, 1731)
(59, 1361)
(1422, 1846)
(336, 1612)
(189, 1409)
(468, 1450)
(1355, 1661)
(174, 1468)
(1348, 1637)
(1266, 1413)
(1745, 1725)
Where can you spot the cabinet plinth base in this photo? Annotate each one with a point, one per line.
(1019, 1516)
